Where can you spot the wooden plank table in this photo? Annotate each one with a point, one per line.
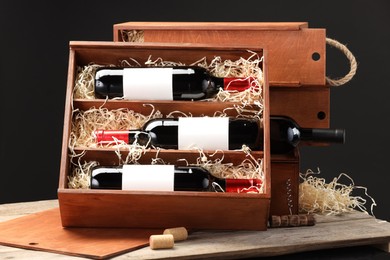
(349, 230)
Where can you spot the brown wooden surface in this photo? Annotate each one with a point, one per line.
(330, 232)
(132, 209)
(276, 26)
(306, 105)
(146, 107)
(107, 156)
(193, 210)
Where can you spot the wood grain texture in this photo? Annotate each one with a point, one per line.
(346, 230)
(277, 241)
(43, 231)
(277, 26)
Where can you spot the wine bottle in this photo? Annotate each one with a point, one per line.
(163, 83)
(212, 133)
(185, 133)
(167, 178)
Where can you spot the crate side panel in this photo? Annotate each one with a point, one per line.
(104, 209)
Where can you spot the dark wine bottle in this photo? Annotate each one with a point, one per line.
(163, 83)
(167, 178)
(184, 133)
(212, 133)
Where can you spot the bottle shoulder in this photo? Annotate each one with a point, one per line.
(160, 122)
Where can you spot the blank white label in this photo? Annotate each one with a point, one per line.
(208, 133)
(147, 83)
(148, 177)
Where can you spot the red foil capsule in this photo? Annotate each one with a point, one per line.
(243, 185)
(237, 84)
(111, 136)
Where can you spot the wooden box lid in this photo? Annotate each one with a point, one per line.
(296, 52)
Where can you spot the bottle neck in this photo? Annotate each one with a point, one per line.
(121, 136)
(243, 185)
(286, 134)
(322, 135)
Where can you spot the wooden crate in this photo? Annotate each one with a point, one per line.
(296, 60)
(117, 208)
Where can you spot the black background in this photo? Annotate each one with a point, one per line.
(34, 58)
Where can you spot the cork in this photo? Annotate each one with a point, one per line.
(179, 233)
(161, 241)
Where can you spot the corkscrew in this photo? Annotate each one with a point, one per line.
(289, 195)
(292, 220)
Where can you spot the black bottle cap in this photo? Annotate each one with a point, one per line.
(329, 135)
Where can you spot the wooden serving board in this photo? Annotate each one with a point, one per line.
(348, 230)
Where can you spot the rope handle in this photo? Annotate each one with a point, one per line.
(352, 62)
